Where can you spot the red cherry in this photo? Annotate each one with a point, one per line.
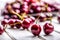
(31, 11)
(4, 22)
(18, 25)
(29, 1)
(5, 12)
(25, 24)
(33, 19)
(6, 17)
(16, 5)
(36, 29)
(42, 17)
(49, 9)
(11, 21)
(24, 8)
(35, 7)
(12, 26)
(48, 28)
(58, 18)
(1, 30)
(18, 21)
(17, 10)
(49, 16)
(14, 17)
(29, 19)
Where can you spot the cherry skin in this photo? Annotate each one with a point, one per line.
(30, 20)
(36, 29)
(49, 16)
(5, 12)
(25, 24)
(48, 28)
(18, 26)
(29, 1)
(31, 11)
(42, 17)
(14, 17)
(19, 23)
(24, 8)
(6, 16)
(1, 30)
(16, 5)
(4, 22)
(11, 21)
(35, 7)
(33, 19)
(58, 18)
(49, 9)
(12, 26)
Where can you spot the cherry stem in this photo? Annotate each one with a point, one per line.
(15, 23)
(37, 20)
(13, 12)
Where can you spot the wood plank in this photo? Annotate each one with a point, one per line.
(4, 36)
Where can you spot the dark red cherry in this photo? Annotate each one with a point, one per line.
(4, 22)
(1, 30)
(6, 16)
(25, 24)
(58, 18)
(48, 28)
(14, 17)
(36, 29)
(11, 21)
(42, 17)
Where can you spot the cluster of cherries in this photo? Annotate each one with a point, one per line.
(58, 18)
(26, 23)
(28, 6)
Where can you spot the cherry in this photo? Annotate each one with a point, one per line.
(17, 11)
(25, 24)
(18, 25)
(43, 9)
(12, 26)
(11, 21)
(29, 1)
(14, 17)
(24, 8)
(29, 19)
(49, 16)
(36, 29)
(35, 8)
(42, 17)
(18, 21)
(33, 19)
(49, 9)
(5, 12)
(6, 16)
(16, 5)
(58, 18)
(1, 30)
(48, 28)
(4, 22)
(31, 11)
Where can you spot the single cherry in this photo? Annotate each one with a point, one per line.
(48, 28)
(25, 24)
(36, 29)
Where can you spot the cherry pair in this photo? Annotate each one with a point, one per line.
(36, 29)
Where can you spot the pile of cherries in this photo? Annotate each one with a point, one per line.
(26, 23)
(28, 6)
